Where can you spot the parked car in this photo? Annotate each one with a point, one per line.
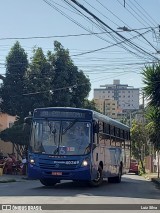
(133, 166)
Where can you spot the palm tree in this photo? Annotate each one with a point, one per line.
(151, 79)
(153, 129)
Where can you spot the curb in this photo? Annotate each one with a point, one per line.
(8, 181)
(156, 180)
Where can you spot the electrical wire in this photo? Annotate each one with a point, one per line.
(98, 20)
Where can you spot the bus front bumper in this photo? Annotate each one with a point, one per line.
(82, 173)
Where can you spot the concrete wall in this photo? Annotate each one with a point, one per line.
(5, 122)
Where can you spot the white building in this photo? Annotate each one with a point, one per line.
(127, 97)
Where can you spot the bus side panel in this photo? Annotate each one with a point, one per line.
(94, 163)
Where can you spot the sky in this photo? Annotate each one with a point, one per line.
(99, 48)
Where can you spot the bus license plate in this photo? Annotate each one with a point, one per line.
(57, 173)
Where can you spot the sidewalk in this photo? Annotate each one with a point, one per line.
(12, 178)
(153, 177)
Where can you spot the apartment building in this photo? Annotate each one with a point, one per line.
(126, 97)
(107, 107)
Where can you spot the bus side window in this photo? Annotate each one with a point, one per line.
(112, 131)
(122, 134)
(95, 127)
(100, 126)
(126, 135)
(95, 133)
(106, 128)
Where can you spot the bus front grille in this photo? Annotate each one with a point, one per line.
(57, 166)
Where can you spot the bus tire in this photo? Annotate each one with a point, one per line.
(119, 177)
(98, 181)
(116, 179)
(48, 182)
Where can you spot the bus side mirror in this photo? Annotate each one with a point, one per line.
(96, 128)
(28, 120)
(27, 124)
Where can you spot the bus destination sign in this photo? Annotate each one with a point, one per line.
(59, 114)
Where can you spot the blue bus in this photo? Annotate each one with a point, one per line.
(77, 144)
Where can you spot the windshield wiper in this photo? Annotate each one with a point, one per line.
(69, 126)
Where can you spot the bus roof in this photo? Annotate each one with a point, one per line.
(96, 115)
(110, 121)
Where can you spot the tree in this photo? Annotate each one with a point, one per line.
(48, 81)
(18, 136)
(2, 77)
(153, 126)
(38, 82)
(151, 79)
(13, 86)
(90, 105)
(139, 142)
(69, 85)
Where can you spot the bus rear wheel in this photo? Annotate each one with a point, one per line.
(98, 181)
(116, 179)
(48, 182)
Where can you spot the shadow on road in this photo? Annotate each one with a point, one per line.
(131, 186)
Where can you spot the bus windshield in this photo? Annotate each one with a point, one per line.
(61, 137)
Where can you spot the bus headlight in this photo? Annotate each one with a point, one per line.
(32, 161)
(85, 162)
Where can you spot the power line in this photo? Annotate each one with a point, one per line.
(54, 36)
(145, 11)
(140, 49)
(140, 16)
(110, 19)
(132, 14)
(112, 35)
(96, 18)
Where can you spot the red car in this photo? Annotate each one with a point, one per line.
(134, 166)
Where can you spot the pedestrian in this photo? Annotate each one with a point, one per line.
(155, 165)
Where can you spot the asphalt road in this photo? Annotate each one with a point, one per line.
(132, 190)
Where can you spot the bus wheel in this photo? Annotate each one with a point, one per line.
(98, 181)
(116, 179)
(48, 182)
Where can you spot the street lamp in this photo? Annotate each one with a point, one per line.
(126, 29)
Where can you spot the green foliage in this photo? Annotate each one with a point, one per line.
(38, 82)
(69, 85)
(46, 81)
(151, 79)
(139, 146)
(16, 134)
(138, 139)
(153, 126)
(13, 85)
(90, 105)
(141, 168)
